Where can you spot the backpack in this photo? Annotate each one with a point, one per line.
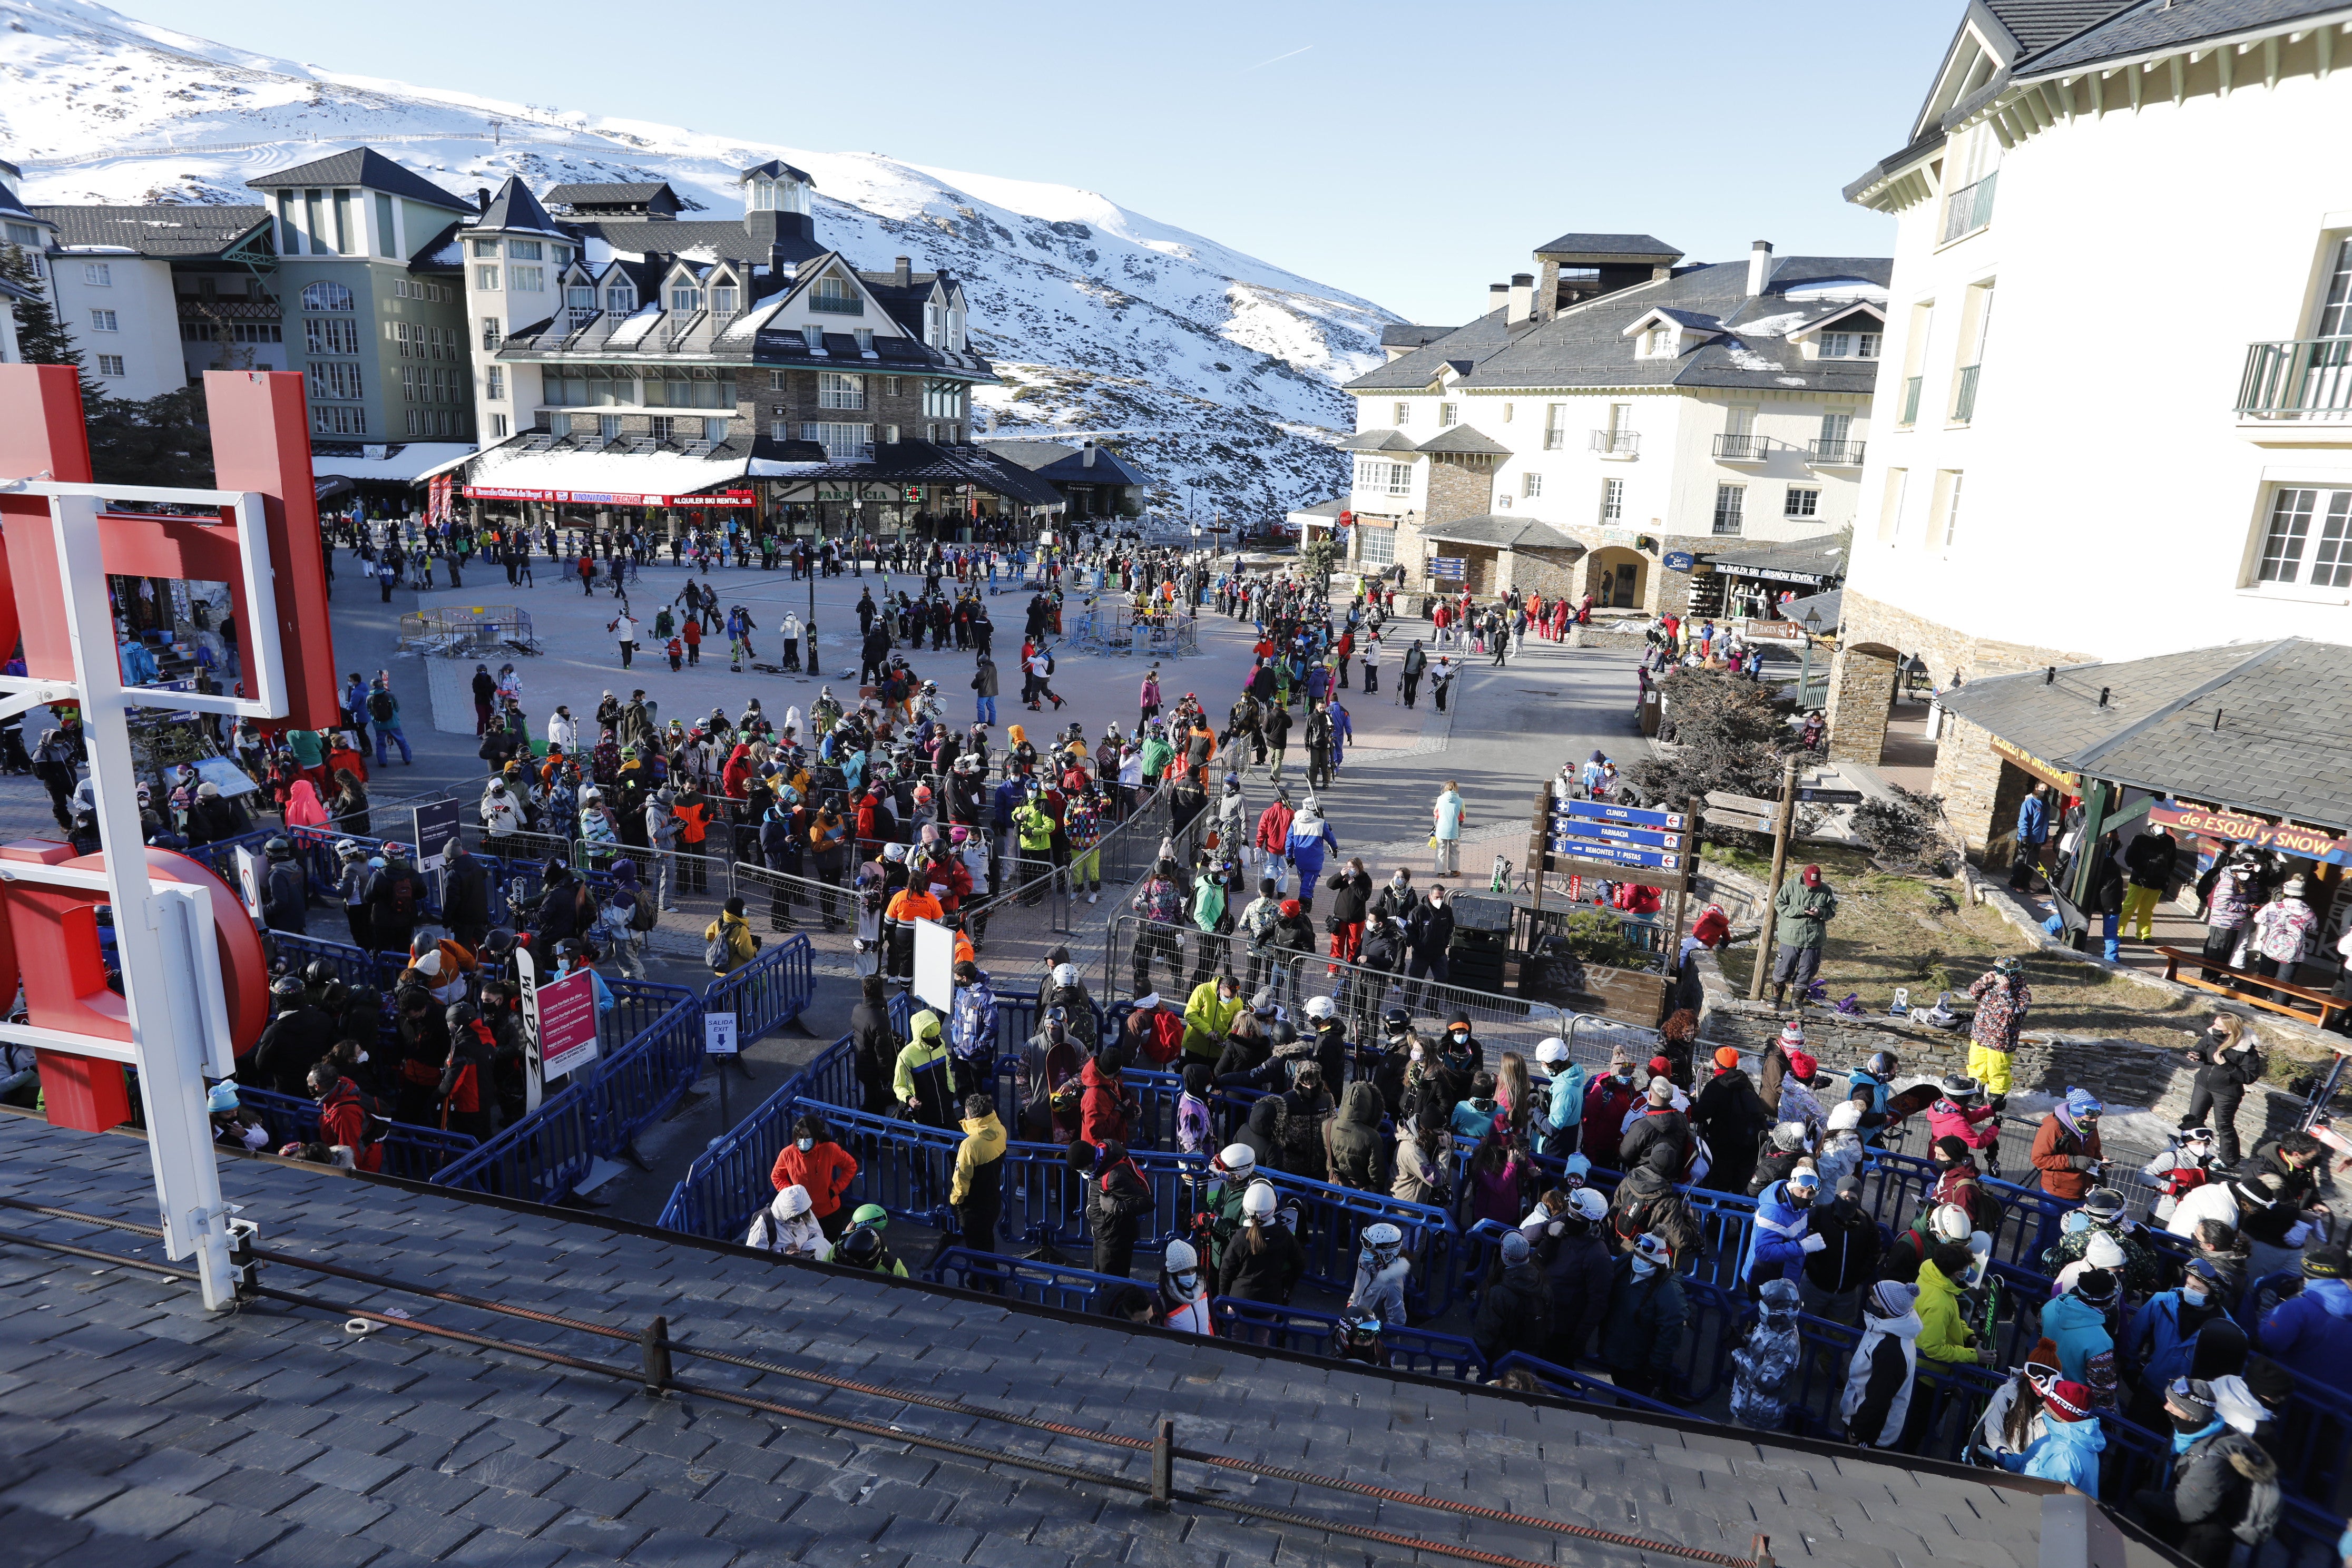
(644, 916)
(380, 707)
(403, 896)
(719, 954)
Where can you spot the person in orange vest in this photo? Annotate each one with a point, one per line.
(693, 813)
(909, 904)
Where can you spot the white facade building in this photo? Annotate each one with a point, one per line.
(1609, 429)
(2113, 417)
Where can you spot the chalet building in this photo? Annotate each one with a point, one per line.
(633, 364)
(1093, 481)
(1615, 420)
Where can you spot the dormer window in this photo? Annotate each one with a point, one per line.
(834, 296)
(685, 299)
(865, 336)
(935, 325)
(523, 250)
(1657, 342)
(621, 301)
(1850, 345)
(486, 247)
(722, 299)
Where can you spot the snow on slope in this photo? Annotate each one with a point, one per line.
(1213, 370)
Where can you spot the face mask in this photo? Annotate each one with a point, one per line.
(1185, 1282)
(1459, 1039)
(1642, 1267)
(1416, 1052)
(2194, 1296)
(2187, 1424)
(804, 1144)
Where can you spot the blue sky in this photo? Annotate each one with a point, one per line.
(1410, 154)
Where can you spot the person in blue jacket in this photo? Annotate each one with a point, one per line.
(2068, 1450)
(1310, 838)
(1869, 1081)
(1561, 1125)
(2311, 1332)
(2162, 1338)
(1783, 1232)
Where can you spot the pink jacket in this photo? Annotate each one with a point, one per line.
(1945, 1120)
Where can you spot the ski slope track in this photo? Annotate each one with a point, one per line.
(1217, 372)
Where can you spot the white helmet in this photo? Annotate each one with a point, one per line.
(1181, 1257)
(1552, 1052)
(1237, 1161)
(1949, 1223)
(1258, 1201)
(1066, 975)
(1845, 1117)
(1320, 1007)
(1588, 1204)
(792, 1202)
(1383, 1241)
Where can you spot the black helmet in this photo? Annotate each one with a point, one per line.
(1398, 1020)
(860, 1245)
(460, 1014)
(498, 943)
(287, 986)
(318, 972)
(279, 848)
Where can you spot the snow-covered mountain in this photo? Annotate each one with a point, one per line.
(1212, 370)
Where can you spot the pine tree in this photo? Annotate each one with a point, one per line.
(43, 338)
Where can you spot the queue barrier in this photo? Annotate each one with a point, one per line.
(1572, 1385)
(1318, 1334)
(1039, 1283)
(411, 1151)
(770, 991)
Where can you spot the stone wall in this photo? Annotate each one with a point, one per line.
(1862, 694)
(1953, 658)
(1968, 776)
(1458, 487)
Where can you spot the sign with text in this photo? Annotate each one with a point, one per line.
(718, 1037)
(534, 1081)
(437, 830)
(567, 1024)
(2308, 843)
(1821, 796)
(611, 497)
(1445, 565)
(1572, 864)
(1773, 631)
(1628, 816)
(1610, 833)
(1621, 854)
(2071, 783)
(1680, 561)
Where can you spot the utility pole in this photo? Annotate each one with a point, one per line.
(1780, 826)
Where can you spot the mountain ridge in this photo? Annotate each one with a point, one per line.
(1215, 371)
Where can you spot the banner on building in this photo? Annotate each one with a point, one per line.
(2308, 843)
(2048, 772)
(611, 497)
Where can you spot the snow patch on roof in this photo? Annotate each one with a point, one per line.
(1773, 326)
(1749, 359)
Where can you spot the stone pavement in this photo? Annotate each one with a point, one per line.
(136, 1430)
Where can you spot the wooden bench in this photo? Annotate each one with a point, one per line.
(2321, 1009)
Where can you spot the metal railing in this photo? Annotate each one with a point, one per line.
(1964, 396)
(1616, 443)
(1836, 454)
(2300, 378)
(415, 1152)
(1970, 208)
(1911, 399)
(1741, 448)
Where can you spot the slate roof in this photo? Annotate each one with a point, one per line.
(777, 168)
(724, 238)
(1465, 439)
(612, 193)
(1502, 532)
(2038, 24)
(1625, 244)
(174, 232)
(1824, 555)
(1378, 441)
(1331, 508)
(361, 166)
(1826, 609)
(515, 207)
(1064, 463)
(2134, 30)
(135, 1428)
(924, 463)
(1585, 345)
(1404, 335)
(2282, 744)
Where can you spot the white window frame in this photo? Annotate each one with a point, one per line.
(486, 279)
(498, 431)
(1530, 486)
(98, 274)
(1449, 415)
(1375, 546)
(2316, 555)
(104, 321)
(524, 250)
(1403, 412)
(526, 279)
(110, 365)
(1555, 437)
(725, 299)
(685, 299)
(496, 389)
(1613, 501)
(836, 390)
(1730, 505)
(714, 428)
(1803, 501)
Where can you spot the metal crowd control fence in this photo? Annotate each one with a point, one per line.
(1572, 1385)
(1318, 1334)
(768, 993)
(651, 1054)
(415, 1153)
(1061, 1285)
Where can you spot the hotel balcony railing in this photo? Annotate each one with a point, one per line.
(2302, 378)
(1911, 399)
(1968, 209)
(1740, 449)
(1964, 398)
(1834, 454)
(1617, 443)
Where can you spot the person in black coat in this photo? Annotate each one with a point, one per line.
(1731, 1116)
(1569, 1242)
(1118, 1199)
(873, 1045)
(1263, 1262)
(464, 896)
(297, 1036)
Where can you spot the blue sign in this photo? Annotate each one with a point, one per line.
(1622, 855)
(1603, 811)
(1648, 837)
(1680, 561)
(1445, 565)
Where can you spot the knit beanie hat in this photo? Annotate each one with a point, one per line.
(1952, 1148)
(1661, 1091)
(1515, 1248)
(2192, 1398)
(2097, 1286)
(2066, 1400)
(2043, 1355)
(1727, 1056)
(1892, 1297)
(2327, 1263)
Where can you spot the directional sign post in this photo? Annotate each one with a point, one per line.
(1445, 565)
(1820, 797)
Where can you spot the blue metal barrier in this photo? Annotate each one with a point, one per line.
(1318, 1334)
(353, 966)
(415, 1153)
(1072, 1289)
(1569, 1384)
(768, 993)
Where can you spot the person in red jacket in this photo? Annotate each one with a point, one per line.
(1105, 1107)
(1152, 1033)
(1713, 928)
(1274, 827)
(1605, 1105)
(814, 1161)
(691, 635)
(344, 1116)
(735, 778)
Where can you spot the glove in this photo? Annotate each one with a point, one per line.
(2084, 1162)
(1814, 1243)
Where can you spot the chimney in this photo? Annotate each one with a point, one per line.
(1522, 297)
(481, 198)
(906, 272)
(1086, 460)
(1498, 296)
(1759, 266)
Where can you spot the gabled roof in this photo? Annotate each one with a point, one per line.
(167, 231)
(1632, 247)
(777, 168)
(721, 237)
(361, 166)
(1501, 531)
(2036, 25)
(1585, 345)
(1062, 463)
(515, 207)
(1821, 558)
(2263, 727)
(2128, 31)
(616, 193)
(1465, 439)
(1378, 441)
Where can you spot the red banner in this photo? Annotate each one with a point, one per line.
(611, 497)
(2309, 843)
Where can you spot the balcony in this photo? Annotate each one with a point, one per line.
(1555, 439)
(835, 305)
(2303, 379)
(1619, 444)
(1834, 454)
(1968, 209)
(1740, 449)
(1911, 400)
(1964, 400)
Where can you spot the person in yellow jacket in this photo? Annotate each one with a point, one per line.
(1209, 1015)
(926, 1093)
(1944, 1333)
(978, 1190)
(741, 945)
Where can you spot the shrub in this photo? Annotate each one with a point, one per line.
(1905, 835)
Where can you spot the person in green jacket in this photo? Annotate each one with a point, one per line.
(1209, 1015)
(925, 1094)
(861, 1245)
(1801, 912)
(1156, 755)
